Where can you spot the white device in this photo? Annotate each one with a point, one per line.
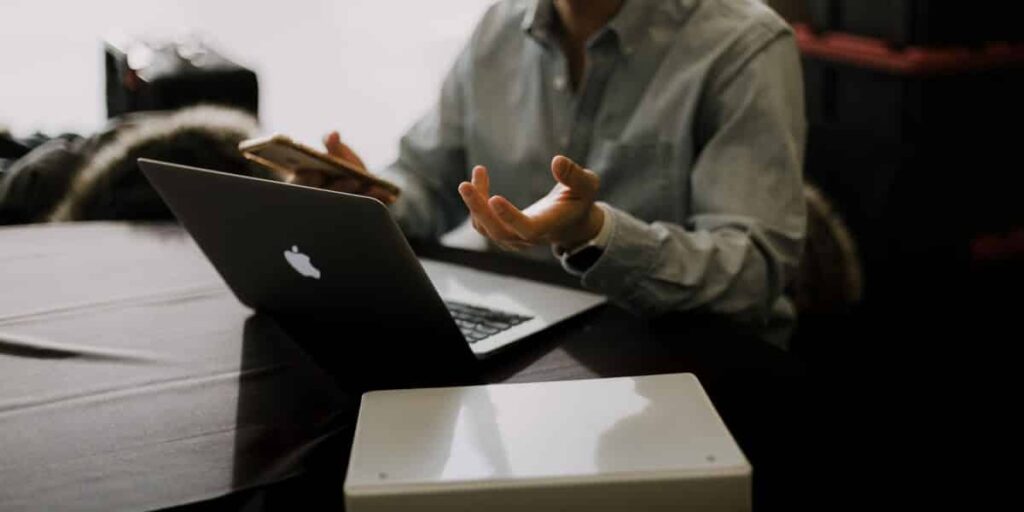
(651, 443)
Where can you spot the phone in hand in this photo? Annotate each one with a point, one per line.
(284, 156)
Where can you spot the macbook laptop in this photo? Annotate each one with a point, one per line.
(338, 263)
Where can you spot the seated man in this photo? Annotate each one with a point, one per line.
(673, 131)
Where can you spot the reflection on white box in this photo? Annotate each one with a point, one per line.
(633, 443)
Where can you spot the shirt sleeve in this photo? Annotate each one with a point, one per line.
(432, 162)
(742, 239)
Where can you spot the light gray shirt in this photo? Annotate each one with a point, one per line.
(691, 111)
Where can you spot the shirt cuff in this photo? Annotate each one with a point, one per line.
(601, 240)
(627, 260)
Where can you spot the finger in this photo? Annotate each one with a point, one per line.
(512, 246)
(514, 218)
(478, 227)
(493, 227)
(307, 177)
(342, 184)
(570, 174)
(332, 142)
(383, 195)
(507, 246)
(336, 148)
(351, 156)
(356, 186)
(481, 180)
(482, 230)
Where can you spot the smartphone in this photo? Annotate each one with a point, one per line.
(283, 155)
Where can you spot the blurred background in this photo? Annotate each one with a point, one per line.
(368, 68)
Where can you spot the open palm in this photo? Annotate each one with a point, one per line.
(566, 216)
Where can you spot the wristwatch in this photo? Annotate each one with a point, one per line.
(583, 258)
(580, 259)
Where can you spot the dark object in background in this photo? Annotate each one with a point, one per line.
(830, 279)
(793, 11)
(145, 75)
(876, 112)
(10, 148)
(912, 144)
(903, 95)
(31, 185)
(921, 22)
(96, 178)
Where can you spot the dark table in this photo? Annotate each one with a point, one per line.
(132, 378)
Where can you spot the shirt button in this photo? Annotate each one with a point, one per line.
(564, 142)
(559, 83)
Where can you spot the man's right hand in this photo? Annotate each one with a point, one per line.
(320, 179)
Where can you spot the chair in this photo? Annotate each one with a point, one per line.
(830, 278)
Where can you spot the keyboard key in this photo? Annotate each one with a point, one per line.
(477, 323)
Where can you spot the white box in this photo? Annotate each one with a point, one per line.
(633, 443)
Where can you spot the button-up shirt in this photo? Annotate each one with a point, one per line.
(690, 111)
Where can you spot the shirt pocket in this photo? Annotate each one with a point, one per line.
(640, 177)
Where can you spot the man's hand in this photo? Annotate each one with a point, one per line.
(316, 178)
(566, 217)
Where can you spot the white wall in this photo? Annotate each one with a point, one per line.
(366, 67)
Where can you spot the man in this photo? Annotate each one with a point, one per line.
(673, 131)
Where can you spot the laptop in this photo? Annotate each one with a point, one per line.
(337, 264)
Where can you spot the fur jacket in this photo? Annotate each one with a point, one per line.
(96, 178)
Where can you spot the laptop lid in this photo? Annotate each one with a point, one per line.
(332, 268)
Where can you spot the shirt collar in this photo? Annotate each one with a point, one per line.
(539, 21)
(630, 24)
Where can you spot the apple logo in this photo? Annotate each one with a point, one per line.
(300, 262)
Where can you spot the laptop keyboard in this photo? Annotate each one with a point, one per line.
(477, 323)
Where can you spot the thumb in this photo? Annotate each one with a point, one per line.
(571, 175)
(337, 148)
(332, 142)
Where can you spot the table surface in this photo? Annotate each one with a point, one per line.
(132, 377)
